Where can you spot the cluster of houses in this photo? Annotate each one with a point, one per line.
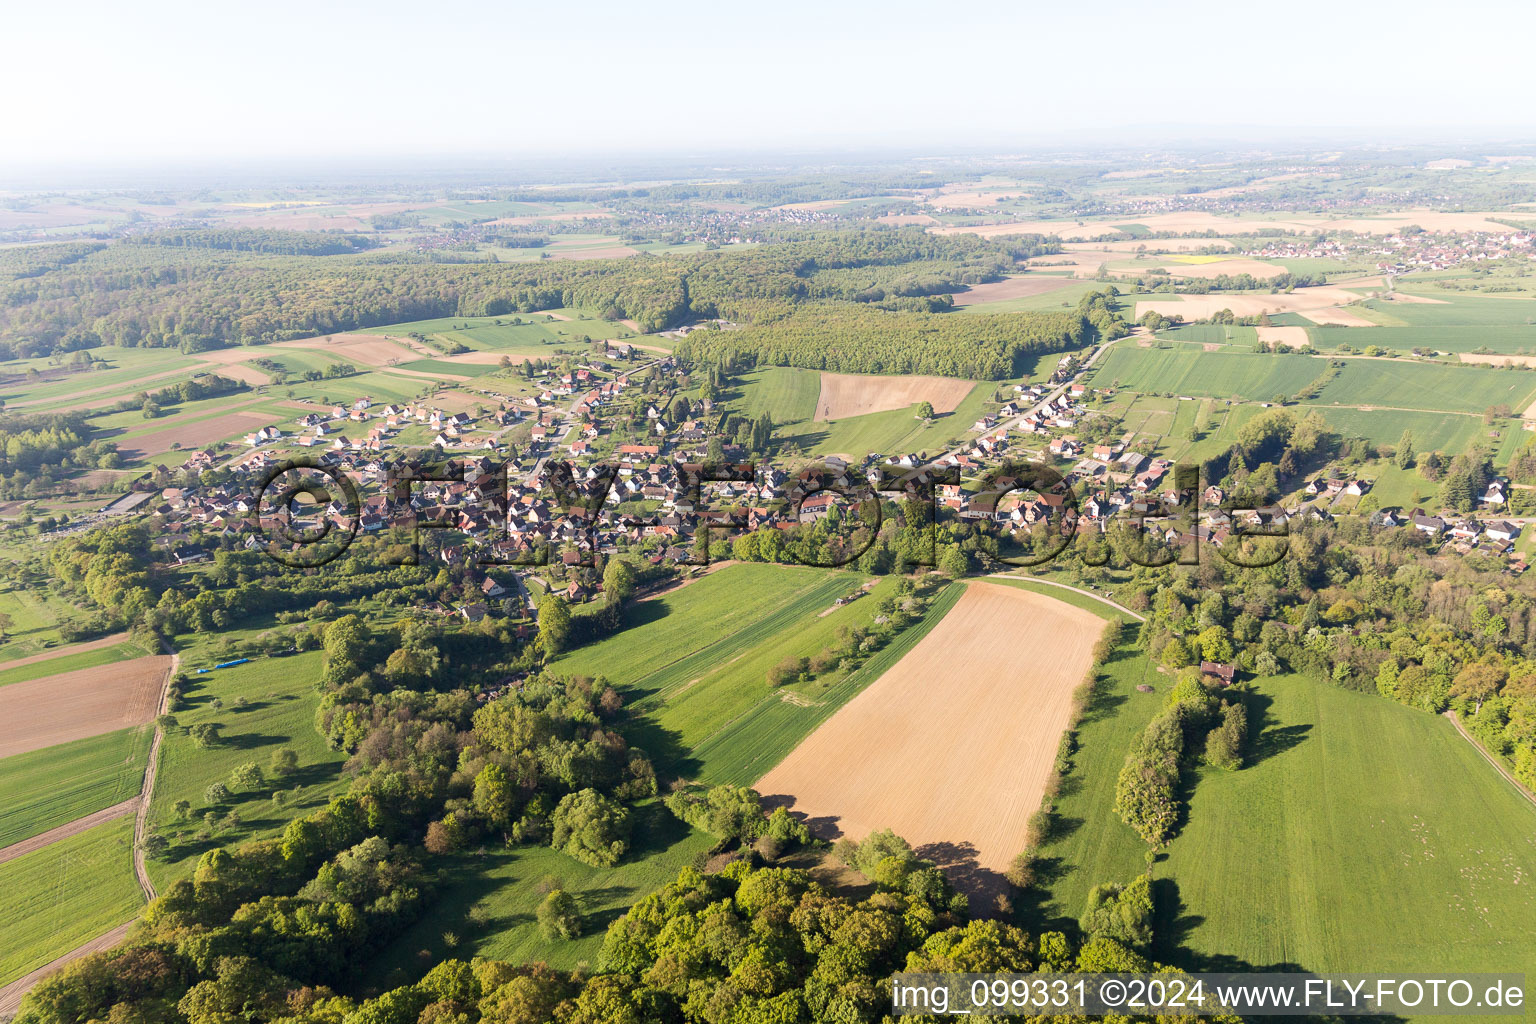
(1405, 253)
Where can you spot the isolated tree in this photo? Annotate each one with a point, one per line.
(618, 582)
(554, 625)
(591, 827)
(284, 762)
(1403, 457)
(246, 777)
(217, 793)
(205, 734)
(925, 410)
(559, 917)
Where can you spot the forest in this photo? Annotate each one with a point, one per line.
(171, 295)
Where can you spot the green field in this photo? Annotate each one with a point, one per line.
(538, 335)
(1500, 338)
(438, 366)
(1459, 310)
(696, 659)
(1190, 370)
(70, 663)
(56, 898)
(280, 713)
(379, 385)
(127, 371)
(1433, 387)
(54, 786)
(502, 886)
(1213, 334)
(1437, 431)
(35, 615)
(785, 393)
(1363, 836)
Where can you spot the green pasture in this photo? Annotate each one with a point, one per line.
(280, 712)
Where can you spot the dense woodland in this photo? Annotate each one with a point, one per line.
(166, 294)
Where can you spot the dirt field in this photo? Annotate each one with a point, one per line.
(1320, 305)
(73, 705)
(1203, 270)
(1336, 315)
(844, 394)
(1491, 360)
(1019, 287)
(357, 349)
(1410, 299)
(952, 747)
(194, 433)
(603, 252)
(1290, 337)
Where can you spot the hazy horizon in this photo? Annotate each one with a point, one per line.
(301, 85)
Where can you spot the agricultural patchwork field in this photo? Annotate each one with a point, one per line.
(55, 785)
(86, 702)
(953, 746)
(53, 899)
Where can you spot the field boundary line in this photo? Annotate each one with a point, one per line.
(66, 651)
(11, 995)
(1499, 767)
(1067, 586)
(70, 828)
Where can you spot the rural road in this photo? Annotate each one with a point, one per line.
(1498, 767)
(141, 820)
(71, 828)
(1067, 586)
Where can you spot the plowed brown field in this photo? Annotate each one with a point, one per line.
(953, 746)
(74, 705)
(847, 394)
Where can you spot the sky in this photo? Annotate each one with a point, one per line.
(166, 81)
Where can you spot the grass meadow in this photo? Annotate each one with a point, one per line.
(33, 628)
(53, 899)
(1361, 835)
(54, 786)
(486, 903)
(280, 712)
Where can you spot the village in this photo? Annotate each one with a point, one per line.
(637, 490)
